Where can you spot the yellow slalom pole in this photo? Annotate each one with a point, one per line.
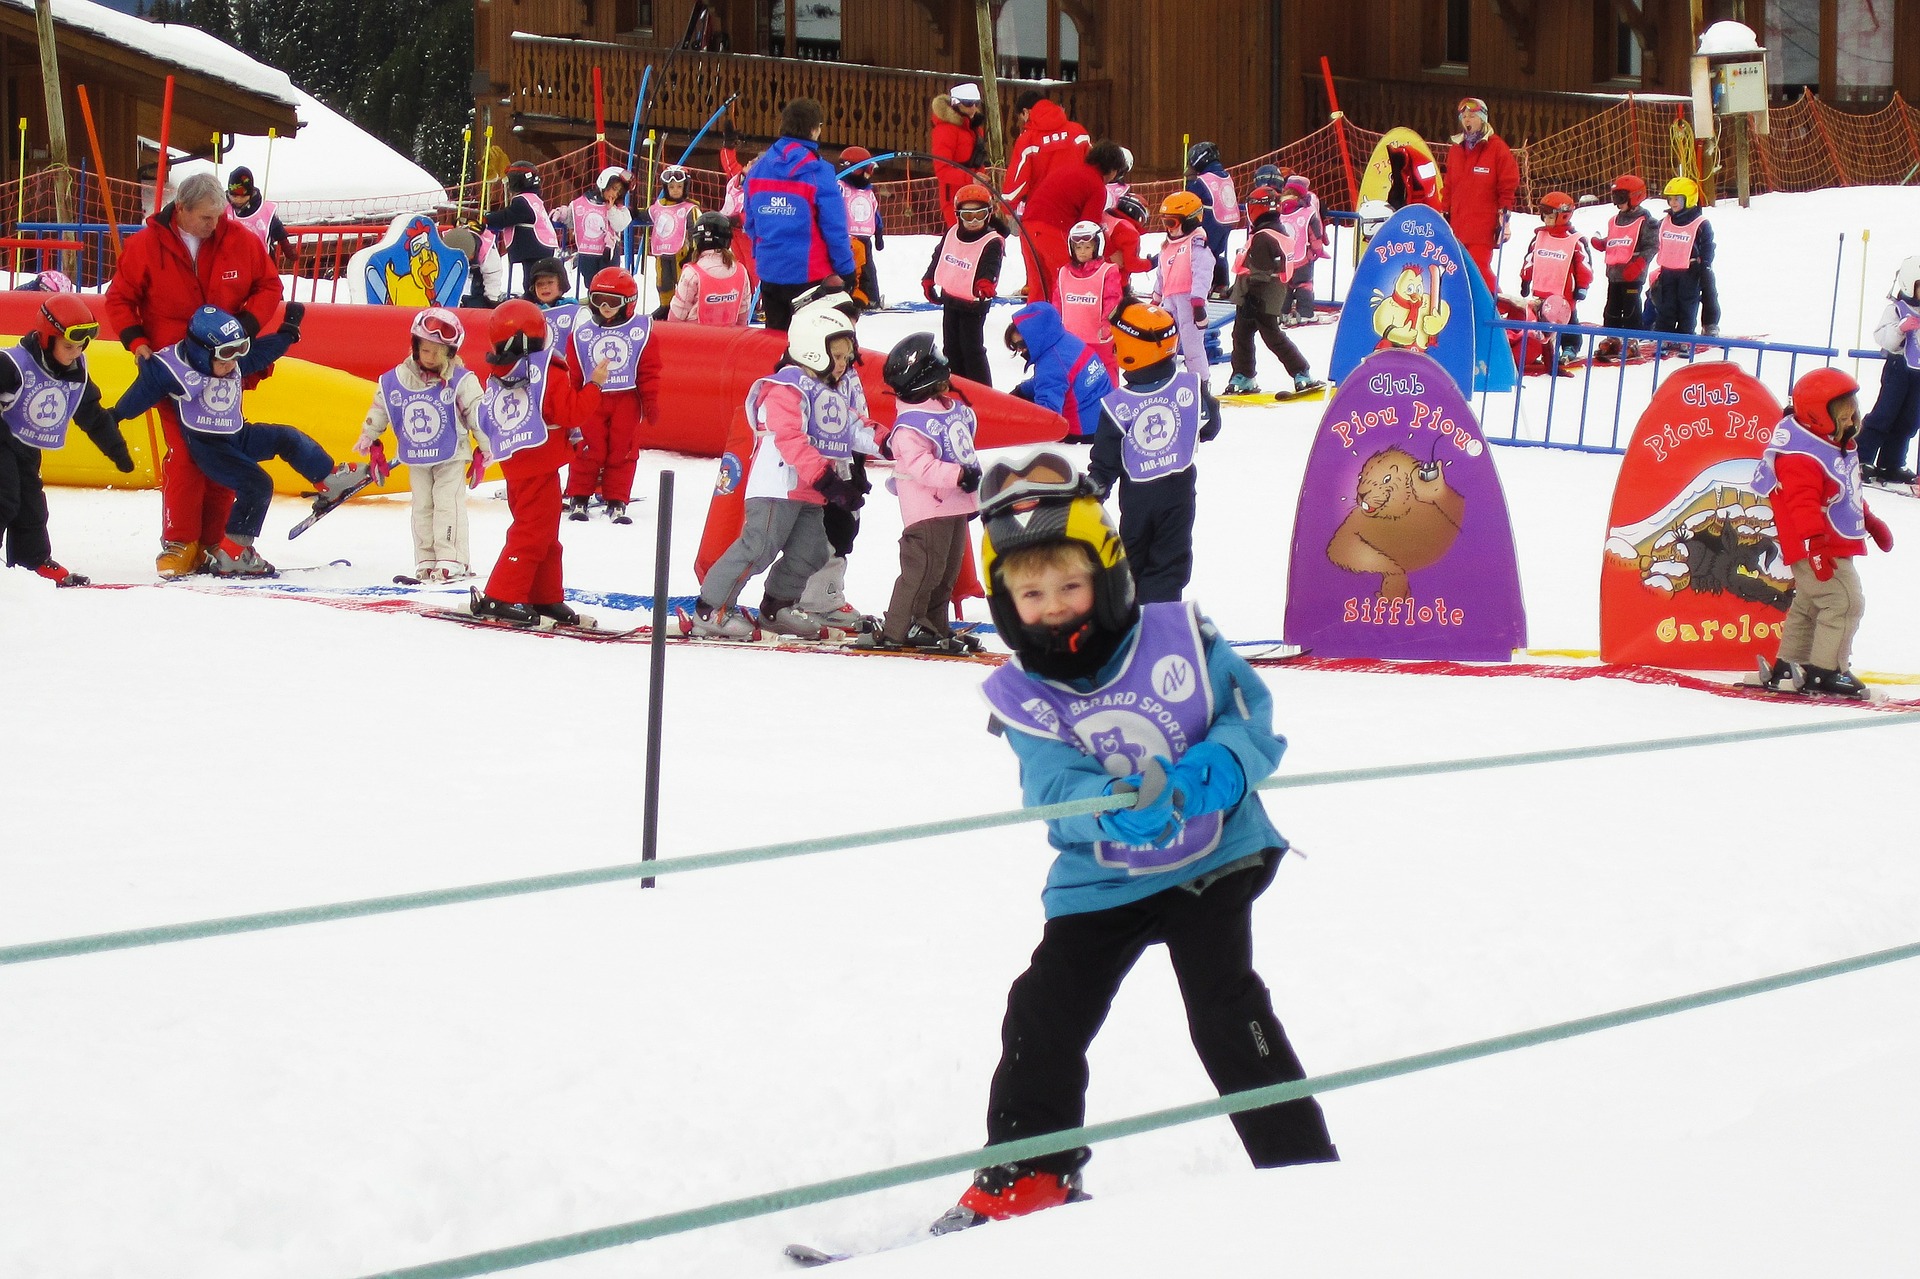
(20, 211)
(272, 133)
(216, 149)
(1860, 313)
(646, 239)
(486, 164)
(466, 153)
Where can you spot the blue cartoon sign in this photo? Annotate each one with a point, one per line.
(1411, 292)
(411, 266)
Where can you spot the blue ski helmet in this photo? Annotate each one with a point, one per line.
(213, 334)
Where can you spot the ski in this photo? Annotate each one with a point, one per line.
(214, 579)
(808, 1257)
(321, 512)
(1895, 487)
(1266, 399)
(1793, 683)
(546, 626)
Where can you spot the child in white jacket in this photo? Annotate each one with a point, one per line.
(432, 401)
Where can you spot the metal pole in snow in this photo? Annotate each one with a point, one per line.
(1860, 312)
(656, 673)
(1833, 316)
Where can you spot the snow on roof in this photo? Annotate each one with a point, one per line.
(1728, 37)
(186, 47)
(331, 169)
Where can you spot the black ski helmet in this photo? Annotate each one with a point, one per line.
(1131, 207)
(712, 231)
(916, 367)
(1200, 155)
(522, 177)
(547, 267)
(1269, 175)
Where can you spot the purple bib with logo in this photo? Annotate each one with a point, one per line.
(951, 431)
(510, 414)
(828, 411)
(1847, 510)
(45, 405)
(211, 405)
(619, 346)
(1159, 429)
(425, 422)
(1160, 703)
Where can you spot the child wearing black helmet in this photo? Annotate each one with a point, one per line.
(935, 474)
(548, 285)
(714, 288)
(1182, 866)
(1208, 179)
(522, 227)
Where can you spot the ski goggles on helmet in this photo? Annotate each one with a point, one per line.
(438, 328)
(239, 191)
(604, 301)
(1021, 485)
(232, 350)
(673, 173)
(78, 334)
(973, 214)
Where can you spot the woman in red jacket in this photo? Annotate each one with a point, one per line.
(958, 128)
(188, 255)
(1811, 474)
(1481, 180)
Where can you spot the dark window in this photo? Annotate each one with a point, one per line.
(1459, 32)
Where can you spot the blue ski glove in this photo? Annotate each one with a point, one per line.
(1153, 821)
(1208, 779)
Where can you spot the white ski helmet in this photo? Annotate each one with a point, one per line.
(814, 326)
(1087, 233)
(612, 173)
(1906, 279)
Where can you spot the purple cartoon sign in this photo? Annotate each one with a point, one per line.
(1401, 543)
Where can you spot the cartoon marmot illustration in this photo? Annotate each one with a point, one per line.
(1405, 517)
(1409, 318)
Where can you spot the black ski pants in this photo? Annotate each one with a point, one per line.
(1890, 427)
(23, 503)
(1156, 527)
(1251, 318)
(1057, 1006)
(1624, 309)
(963, 332)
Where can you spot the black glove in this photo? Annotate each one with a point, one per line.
(969, 479)
(121, 459)
(290, 322)
(662, 311)
(1199, 312)
(839, 490)
(728, 138)
(643, 220)
(879, 241)
(833, 284)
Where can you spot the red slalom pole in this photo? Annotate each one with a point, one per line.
(599, 118)
(1340, 131)
(160, 170)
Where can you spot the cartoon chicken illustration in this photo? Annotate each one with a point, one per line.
(1412, 316)
(1405, 517)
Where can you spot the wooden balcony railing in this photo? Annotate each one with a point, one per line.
(879, 108)
(1428, 108)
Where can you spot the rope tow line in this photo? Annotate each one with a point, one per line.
(166, 934)
(760, 1205)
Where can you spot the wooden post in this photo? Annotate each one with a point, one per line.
(990, 85)
(56, 112)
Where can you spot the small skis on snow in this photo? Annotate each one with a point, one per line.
(1312, 391)
(1793, 682)
(589, 630)
(1909, 489)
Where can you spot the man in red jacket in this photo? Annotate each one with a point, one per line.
(1069, 193)
(1048, 140)
(1481, 180)
(957, 136)
(188, 256)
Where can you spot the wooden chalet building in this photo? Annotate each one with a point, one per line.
(1145, 72)
(124, 74)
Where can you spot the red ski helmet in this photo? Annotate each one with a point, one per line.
(67, 315)
(614, 286)
(854, 155)
(1813, 399)
(517, 328)
(1555, 208)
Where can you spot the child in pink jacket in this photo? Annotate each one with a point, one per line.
(1088, 291)
(935, 475)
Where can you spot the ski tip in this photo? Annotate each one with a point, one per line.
(808, 1256)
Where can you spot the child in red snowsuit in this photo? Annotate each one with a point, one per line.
(606, 332)
(1554, 276)
(530, 414)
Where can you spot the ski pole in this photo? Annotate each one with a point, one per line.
(1833, 316)
(274, 132)
(646, 234)
(466, 153)
(639, 105)
(1860, 312)
(20, 213)
(486, 168)
(708, 125)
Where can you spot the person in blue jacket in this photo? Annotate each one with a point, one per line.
(1067, 376)
(796, 216)
(1107, 696)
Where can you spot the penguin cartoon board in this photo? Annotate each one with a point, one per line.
(1402, 546)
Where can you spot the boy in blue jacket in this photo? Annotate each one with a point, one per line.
(796, 216)
(203, 374)
(1182, 866)
(1067, 376)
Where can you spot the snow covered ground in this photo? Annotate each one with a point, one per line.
(344, 1098)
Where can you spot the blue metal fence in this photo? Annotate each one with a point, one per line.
(94, 266)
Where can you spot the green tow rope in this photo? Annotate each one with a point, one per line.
(164, 934)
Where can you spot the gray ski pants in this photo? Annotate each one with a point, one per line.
(792, 532)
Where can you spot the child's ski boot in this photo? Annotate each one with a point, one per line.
(826, 598)
(1241, 384)
(784, 617)
(493, 610)
(178, 559)
(235, 557)
(617, 512)
(577, 509)
(1826, 683)
(1779, 673)
(1009, 1190)
(60, 575)
(339, 484)
(708, 622)
(564, 615)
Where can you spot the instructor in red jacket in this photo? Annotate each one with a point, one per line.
(1481, 181)
(1069, 193)
(1047, 141)
(188, 256)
